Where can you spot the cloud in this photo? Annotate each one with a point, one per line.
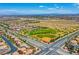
(56, 6)
(76, 5)
(36, 11)
(51, 8)
(41, 6)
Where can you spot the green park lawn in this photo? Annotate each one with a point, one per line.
(45, 32)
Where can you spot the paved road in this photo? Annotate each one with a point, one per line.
(32, 42)
(51, 49)
(13, 48)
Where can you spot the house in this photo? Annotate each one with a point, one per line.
(24, 50)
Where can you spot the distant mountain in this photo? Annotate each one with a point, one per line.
(44, 15)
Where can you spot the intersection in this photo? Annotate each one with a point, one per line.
(46, 49)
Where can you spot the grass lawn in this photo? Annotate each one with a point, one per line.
(42, 32)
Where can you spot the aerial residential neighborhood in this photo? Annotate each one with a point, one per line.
(39, 29)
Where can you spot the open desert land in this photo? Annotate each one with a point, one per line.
(44, 30)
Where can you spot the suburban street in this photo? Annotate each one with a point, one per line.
(47, 49)
(12, 47)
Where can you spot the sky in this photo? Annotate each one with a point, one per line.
(38, 8)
